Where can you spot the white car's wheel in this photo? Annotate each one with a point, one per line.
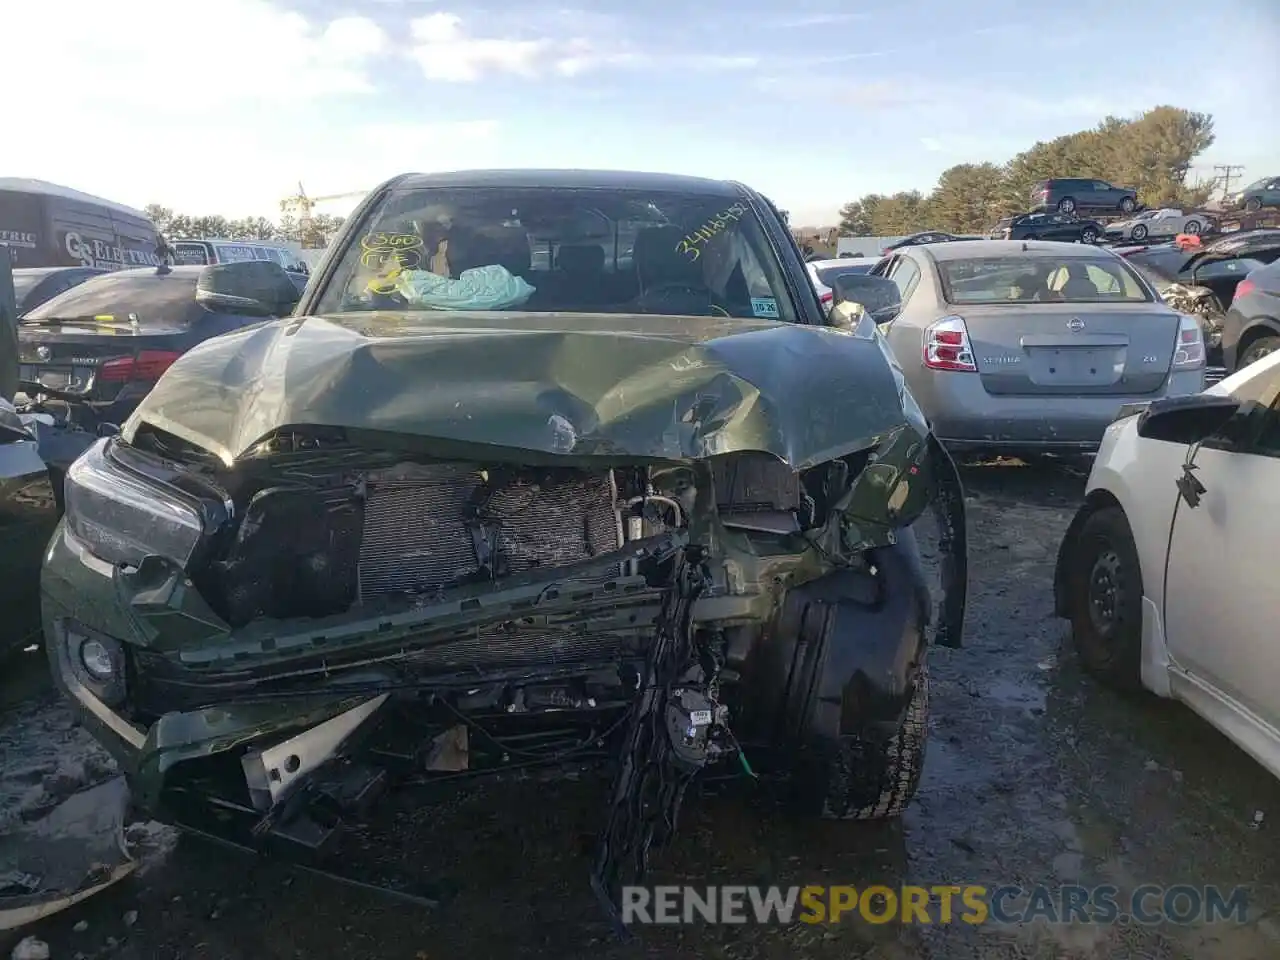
(1139, 232)
(1105, 583)
(1192, 227)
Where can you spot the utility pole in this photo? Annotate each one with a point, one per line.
(1229, 172)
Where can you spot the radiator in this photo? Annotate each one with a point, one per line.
(417, 538)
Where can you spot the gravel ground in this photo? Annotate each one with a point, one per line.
(1034, 775)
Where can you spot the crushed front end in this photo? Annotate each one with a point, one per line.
(1203, 304)
(270, 645)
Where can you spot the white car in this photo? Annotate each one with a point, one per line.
(1167, 573)
(1158, 223)
(824, 272)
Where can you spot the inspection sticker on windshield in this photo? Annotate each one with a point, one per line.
(764, 307)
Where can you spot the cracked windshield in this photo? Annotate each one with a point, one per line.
(748, 480)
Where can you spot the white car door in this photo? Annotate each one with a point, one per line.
(1221, 613)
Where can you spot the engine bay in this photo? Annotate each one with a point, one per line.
(315, 529)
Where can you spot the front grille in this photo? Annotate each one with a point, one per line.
(429, 527)
(496, 647)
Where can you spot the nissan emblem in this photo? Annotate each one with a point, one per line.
(42, 352)
(1075, 324)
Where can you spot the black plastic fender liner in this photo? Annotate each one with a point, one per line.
(953, 545)
(847, 647)
(1066, 554)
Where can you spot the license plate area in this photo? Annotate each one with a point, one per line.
(1076, 366)
(71, 379)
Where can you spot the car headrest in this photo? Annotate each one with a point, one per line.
(585, 258)
(659, 259)
(506, 246)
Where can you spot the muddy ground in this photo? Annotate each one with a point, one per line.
(1034, 775)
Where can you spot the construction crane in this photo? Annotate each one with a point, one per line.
(301, 206)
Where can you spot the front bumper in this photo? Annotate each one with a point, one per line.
(256, 747)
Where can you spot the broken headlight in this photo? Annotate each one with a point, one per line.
(121, 518)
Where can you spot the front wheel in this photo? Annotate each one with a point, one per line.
(1105, 582)
(1127, 205)
(870, 780)
(1260, 348)
(1253, 204)
(1088, 235)
(1139, 232)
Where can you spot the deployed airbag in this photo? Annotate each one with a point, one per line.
(490, 287)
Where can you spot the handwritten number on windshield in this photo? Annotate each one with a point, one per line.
(691, 242)
(389, 254)
(689, 249)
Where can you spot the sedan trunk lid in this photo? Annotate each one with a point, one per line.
(68, 355)
(1068, 349)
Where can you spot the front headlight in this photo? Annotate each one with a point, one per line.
(121, 518)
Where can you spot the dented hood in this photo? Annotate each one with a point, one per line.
(577, 385)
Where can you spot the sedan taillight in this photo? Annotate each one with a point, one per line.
(827, 298)
(147, 365)
(1189, 352)
(947, 347)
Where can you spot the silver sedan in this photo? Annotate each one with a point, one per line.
(1027, 346)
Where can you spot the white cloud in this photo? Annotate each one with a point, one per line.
(142, 113)
(446, 50)
(821, 20)
(108, 54)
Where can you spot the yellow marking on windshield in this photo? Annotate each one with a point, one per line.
(388, 255)
(715, 225)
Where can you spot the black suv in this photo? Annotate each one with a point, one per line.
(1069, 194)
(1047, 226)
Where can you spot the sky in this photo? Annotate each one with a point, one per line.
(225, 107)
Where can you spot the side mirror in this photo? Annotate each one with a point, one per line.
(1187, 419)
(879, 296)
(254, 288)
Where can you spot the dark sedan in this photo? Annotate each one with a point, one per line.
(32, 286)
(108, 340)
(1048, 226)
(928, 236)
(1251, 329)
